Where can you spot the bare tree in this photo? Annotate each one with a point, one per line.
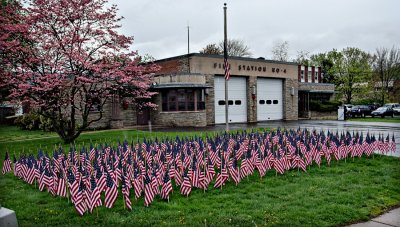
(280, 51)
(387, 68)
(211, 49)
(303, 57)
(236, 47)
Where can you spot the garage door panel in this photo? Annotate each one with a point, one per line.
(269, 99)
(237, 99)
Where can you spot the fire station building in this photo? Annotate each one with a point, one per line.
(192, 90)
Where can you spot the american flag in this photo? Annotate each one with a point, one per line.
(80, 204)
(61, 185)
(137, 183)
(166, 186)
(186, 187)
(126, 192)
(227, 68)
(234, 171)
(111, 192)
(148, 191)
(223, 176)
(95, 198)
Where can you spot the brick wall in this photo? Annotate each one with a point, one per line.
(290, 108)
(210, 108)
(184, 118)
(251, 103)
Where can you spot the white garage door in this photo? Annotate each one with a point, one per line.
(237, 99)
(269, 99)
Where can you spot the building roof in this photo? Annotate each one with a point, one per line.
(222, 56)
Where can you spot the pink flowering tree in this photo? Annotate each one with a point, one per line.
(75, 61)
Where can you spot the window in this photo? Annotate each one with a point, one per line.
(275, 102)
(238, 102)
(201, 104)
(309, 76)
(262, 102)
(182, 100)
(230, 102)
(172, 104)
(221, 102)
(302, 75)
(96, 104)
(269, 102)
(316, 77)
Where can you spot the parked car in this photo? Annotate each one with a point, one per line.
(382, 112)
(360, 111)
(373, 106)
(348, 107)
(396, 110)
(392, 105)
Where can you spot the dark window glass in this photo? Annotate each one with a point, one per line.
(230, 102)
(262, 102)
(269, 102)
(164, 101)
(221, 102)
(201, 105)
(182, 100)
(275, 102)
(172, 101)
(238, 102)
(96, 104)
(190, 100)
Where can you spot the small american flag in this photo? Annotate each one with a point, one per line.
(126, 192)
(186, 187)
(148, 191)
(95, 198)
(166, 187)
(80, 204)
(6, 164)
(111, 192)
(61, 185)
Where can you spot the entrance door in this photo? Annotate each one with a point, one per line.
(143, 117)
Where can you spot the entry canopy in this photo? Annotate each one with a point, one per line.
(179, 85)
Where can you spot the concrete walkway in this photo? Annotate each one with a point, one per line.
(391, 218)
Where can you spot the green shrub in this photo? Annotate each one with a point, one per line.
(34, 121)
(324, 106)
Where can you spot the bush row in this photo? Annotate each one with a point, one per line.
(34, 121)
(324, 106)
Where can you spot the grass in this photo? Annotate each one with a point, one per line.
(376, 119)
(342, 193)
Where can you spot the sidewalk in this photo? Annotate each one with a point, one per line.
(391, 218)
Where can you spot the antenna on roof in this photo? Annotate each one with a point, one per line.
(188, 35)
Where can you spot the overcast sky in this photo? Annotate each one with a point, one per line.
(160, 27)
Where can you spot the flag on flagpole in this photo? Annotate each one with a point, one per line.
(227, 69)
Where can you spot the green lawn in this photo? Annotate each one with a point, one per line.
(376, 119)
(342, 193)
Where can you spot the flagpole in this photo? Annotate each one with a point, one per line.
(226, 65)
